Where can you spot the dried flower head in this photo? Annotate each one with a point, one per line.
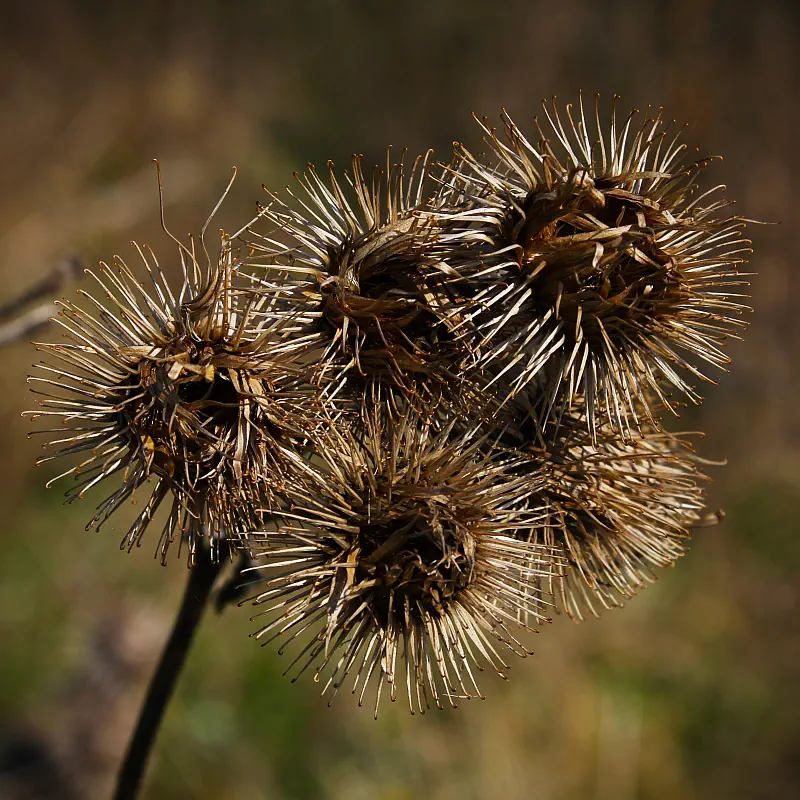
(177, 393)
(616, 510)
(606, 270)
(429, 415)
(366, 279)
(405, 552)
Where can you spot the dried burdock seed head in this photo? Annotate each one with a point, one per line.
(407, 553)
(358, 253)
(609, 271)
(427, 406)
(617, 511)
(178, 394)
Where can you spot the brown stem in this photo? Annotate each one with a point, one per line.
(195, 599)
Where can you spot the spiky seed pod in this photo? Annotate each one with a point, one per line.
(404, 554)
(607, 270)
(616, 511)
(418, 409)
(357, 254)
(178, 394)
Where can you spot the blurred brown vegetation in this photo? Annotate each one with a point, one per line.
(691, 691)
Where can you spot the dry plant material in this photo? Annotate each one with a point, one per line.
(606, 272)
(405, 555)
(428, 402)
(616, 510)
(178, 394)
(361, 255)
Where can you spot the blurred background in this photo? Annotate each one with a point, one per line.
(691, 691)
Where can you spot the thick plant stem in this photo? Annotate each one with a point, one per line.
(195, 599)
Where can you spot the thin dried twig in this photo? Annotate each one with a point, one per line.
(20, 317)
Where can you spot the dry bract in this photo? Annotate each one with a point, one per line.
(361, 257)
(178, 395)
(617, 510)
(603, 269)
(407, 553)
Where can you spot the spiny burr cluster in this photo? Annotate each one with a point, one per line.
(427, 401)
